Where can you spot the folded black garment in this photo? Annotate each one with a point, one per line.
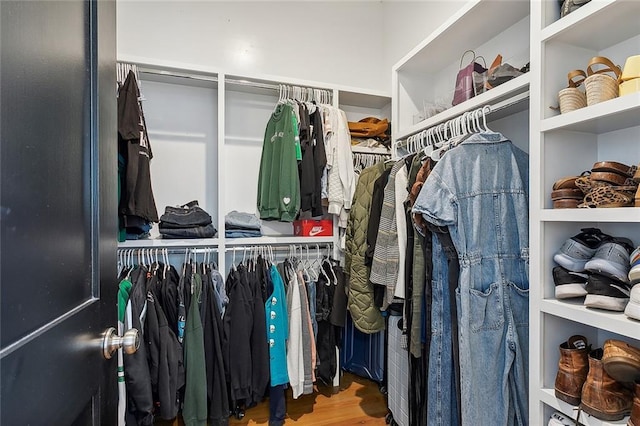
(186, 216)
(207, 231)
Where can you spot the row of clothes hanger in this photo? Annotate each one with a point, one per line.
(363, 160)
(303, 94)
(153, 259)
(435, 141)
(300, 256)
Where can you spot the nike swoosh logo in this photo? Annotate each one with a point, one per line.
(315, 232)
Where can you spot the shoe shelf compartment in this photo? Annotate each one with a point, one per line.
(558, 330)
(576, 41)
(427, 74)
(569, 153)
(548, 397)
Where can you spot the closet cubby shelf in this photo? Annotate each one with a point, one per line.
(367, 150)
(615, 322)
(510, 89)
(615, 114)
(598, 25)
(619, 214)
(478, 20)
(166, 243)
(278, 240)
(548, 397)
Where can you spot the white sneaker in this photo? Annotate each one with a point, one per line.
(559, 419)
(633, 307)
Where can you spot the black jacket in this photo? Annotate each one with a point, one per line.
(217, 396)
(166, 365)
(136, 368)
(238, 320)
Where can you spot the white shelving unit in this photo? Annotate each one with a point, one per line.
(428, 72)
(558, 145)
(565, 145)
(206, 129)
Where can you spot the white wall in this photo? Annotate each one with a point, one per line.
(351, 43)
(332, 42)
(407, 23)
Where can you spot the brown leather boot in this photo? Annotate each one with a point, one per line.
(603, 397)
(635, 411)
(621, 360)
(572, 369)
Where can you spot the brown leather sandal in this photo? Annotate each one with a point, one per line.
(615, 167)
(568, 198)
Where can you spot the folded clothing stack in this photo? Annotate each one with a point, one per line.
(242, 225)
(186, 221)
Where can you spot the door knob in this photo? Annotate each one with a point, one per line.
(111, 342)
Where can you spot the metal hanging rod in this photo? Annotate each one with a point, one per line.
(284, 247)
(168, 250)
(485, 110)
(214, 78)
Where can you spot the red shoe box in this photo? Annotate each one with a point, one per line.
(313, 228)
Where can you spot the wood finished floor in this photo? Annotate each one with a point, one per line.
(359, 402)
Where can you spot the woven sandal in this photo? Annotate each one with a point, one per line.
(599, 86)
(572, 97)
(608, 196)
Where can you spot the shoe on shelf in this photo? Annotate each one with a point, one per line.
(634, 420)
(606, 293)
(621, 360)
(612, 259)
(559, 419)
(602, 396)
(569, 284)
(634, 266)
(579, 249)
(633, 307)
(573, 367)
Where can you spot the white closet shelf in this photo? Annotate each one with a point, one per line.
(615, 322)
(477, 21)
(374, 100)
(277, 240)
(548, 397)
(620, 214)
(372, 150)
(510, 89)
(166, 243)
(615, 114)
(596, 25)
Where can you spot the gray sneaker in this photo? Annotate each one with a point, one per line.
(579, 249)
(612, 259)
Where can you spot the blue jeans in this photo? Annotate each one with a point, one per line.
(442, 402)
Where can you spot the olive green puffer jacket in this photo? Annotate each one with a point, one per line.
(366, 316)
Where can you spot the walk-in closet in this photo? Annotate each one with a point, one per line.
(320, 213)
